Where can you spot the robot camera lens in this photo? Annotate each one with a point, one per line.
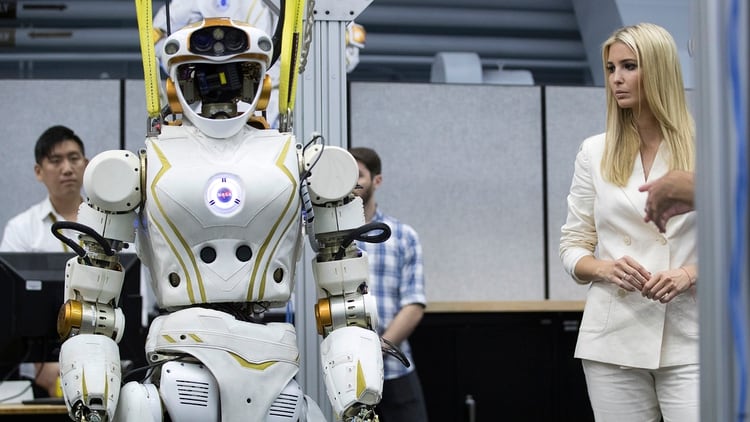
(172, 47)
(201, 41)
(219, 48)
(265, 44)
(235, 40)
(218, 33)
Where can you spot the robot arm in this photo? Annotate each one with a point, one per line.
(346, 314)
(90, 323)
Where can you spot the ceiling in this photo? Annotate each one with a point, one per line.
(98, 39)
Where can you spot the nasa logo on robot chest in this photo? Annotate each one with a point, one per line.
(224, 195)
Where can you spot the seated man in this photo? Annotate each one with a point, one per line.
(60, 163)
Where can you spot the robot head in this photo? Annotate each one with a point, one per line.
(217, 74)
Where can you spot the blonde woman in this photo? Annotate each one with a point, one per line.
(638, 340)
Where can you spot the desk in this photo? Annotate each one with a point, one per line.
(36, 412)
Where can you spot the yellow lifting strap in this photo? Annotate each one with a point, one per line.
(148, 54)
(291, 46)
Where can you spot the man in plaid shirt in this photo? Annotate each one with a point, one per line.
(397, 283)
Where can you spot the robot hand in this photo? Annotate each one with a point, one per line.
(90, 376)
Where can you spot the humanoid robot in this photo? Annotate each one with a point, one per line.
(220, 204)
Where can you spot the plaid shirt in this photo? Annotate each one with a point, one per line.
(396, 280)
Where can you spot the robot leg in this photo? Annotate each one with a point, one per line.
(314, 414)
(189, 387)
(139, 403)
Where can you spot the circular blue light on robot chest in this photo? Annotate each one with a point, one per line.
(224, 194)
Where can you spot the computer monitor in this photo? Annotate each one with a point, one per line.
(34, 285)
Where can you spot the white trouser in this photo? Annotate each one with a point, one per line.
(623, 394)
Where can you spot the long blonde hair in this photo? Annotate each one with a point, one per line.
(663, 90)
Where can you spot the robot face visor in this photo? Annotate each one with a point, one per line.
(218, 88)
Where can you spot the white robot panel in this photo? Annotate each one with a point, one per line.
(250, 362)
(206, 199)
(90, 374)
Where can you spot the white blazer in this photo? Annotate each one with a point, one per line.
(621, 327)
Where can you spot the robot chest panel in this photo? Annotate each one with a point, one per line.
(218, 187)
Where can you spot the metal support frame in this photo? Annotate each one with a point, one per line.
(715, 197)
(321, 107)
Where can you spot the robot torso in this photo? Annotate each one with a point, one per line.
(222, 217)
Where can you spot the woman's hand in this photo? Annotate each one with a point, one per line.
(625, 272)
(666, 285)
